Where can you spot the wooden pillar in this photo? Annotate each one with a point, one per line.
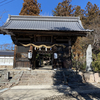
(70, 59)
(34, 59)
(31, 60)
(54, 60)
(14, 65)
(31, 48)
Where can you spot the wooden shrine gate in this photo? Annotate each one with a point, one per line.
(58, 33)
(62, 50)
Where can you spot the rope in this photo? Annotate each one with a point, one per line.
(40, 46)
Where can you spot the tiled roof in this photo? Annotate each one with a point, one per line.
(54, 23)
(6, 53)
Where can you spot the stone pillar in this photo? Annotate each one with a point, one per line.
(89, 58)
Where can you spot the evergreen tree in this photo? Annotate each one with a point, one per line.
(30, 7)
(63, 9)
(91, 13)
(77, 49)
(79, 12)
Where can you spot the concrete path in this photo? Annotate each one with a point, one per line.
(28, 94)
(34, 93)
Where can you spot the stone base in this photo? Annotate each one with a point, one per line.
(90, 77)
(6, 67)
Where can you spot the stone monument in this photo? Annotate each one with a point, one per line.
(89, 58)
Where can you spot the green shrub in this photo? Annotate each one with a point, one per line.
(83, 66)
(96, 62)
(79, 65)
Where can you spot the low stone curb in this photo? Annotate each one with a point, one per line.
(16, 79)
(3, 90)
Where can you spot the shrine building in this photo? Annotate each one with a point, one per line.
(41, 40)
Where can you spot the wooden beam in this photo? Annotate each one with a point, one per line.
(60, 33)
(62, 39)
(24, 39)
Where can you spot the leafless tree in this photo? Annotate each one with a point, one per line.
(7, 47)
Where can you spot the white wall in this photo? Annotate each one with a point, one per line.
(6, 61)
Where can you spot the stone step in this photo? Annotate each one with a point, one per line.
(39, 83)
(45, 80)
(23, 84)
(38, 75)
(42, 78)
(39, 87)
(26, 75)
(47, 72)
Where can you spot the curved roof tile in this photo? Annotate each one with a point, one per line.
(54, 23)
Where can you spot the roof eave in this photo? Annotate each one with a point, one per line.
(52, 30)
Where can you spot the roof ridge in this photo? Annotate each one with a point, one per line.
(51, 18)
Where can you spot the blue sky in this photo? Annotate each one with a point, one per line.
(14, 8)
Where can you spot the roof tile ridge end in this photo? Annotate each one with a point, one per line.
(9, 18)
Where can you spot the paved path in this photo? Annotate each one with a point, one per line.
(28, 93)
(41, 87)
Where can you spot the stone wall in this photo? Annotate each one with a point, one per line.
(90, 77)
(6, 67)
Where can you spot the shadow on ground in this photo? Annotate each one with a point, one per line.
(79, 89)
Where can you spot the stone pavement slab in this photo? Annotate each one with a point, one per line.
(36, 87)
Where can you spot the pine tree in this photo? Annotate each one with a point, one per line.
(63, 9)
(30, 7)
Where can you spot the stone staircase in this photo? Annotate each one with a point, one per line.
(42, 77)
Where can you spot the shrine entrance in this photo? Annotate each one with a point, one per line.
(44, 61)
(43, 41)
(43, 58)
(51, 57)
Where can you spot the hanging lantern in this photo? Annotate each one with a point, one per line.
(55, 55)
(45, 49)
(29, 54)
(34, 48)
